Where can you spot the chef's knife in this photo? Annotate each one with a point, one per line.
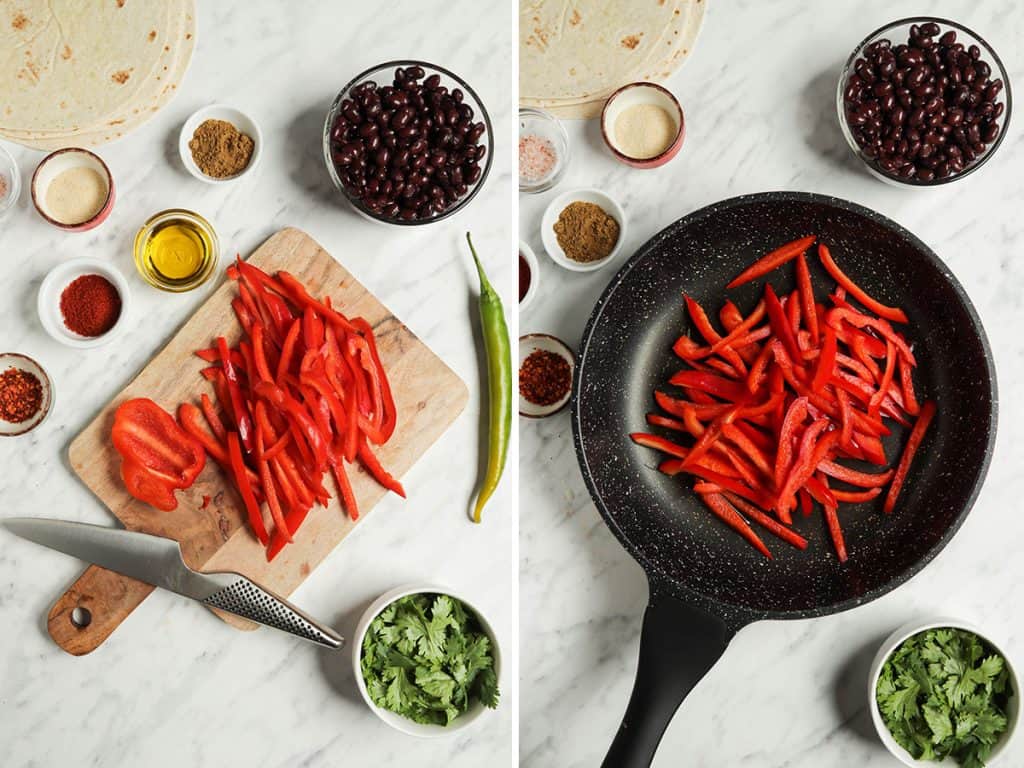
(158, 561)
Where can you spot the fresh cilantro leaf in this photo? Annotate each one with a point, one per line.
(942, 693)
(427, 658)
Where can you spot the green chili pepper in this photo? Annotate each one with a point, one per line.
(499, 383)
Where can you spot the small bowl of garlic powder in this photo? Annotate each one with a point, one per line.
(643, 125)
(73, 189)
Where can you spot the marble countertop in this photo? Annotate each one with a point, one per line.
(174, 685)
(759, 97)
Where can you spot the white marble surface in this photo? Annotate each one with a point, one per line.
(174, 686)
(759, 100)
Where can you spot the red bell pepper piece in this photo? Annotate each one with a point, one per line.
(840, 315)
(889, 313)
(795, 416)
(657, 420)
(835, 531)
(245, 317)
(149, 438)
(806, 503)
(846, 417)
(826, 362)
(269, 493)
(146, 486)
(907, 387)
(259, 353)
(245, 489)
(713, 385)
(659, 444)
(718, 504)
(780, 323)
(810, 454)
(307, 427)
(854, 477)
(381, 475)
(390, 414)
(810, 311)
(287, 350)
(910, 449)
(741, 329)
(819, 491)
(239, 405)
(756, 376)
(772, 260)
(738, 437)
(212, 418)
(855, 497)
(875, 403)
(757, 515)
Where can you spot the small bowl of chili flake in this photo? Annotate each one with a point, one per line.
(83, 303)
(26, 394)
(546, 366)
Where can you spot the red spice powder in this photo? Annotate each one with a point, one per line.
(544, 377)
(90, 305)
(21, 395)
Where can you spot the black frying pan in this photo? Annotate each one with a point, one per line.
(705, 581)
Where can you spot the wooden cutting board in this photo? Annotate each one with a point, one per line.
(428, 395)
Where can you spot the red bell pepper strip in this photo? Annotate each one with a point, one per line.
(757, 515)
(308, 428)
(245, 489)
(840, 315)
(792, 307)
(146, 435)
(212, 418)
(756, 376)
(730, 316)
(910, 449)
(835, 531)
(659, 444)
(259, 353)
(889, 313)
(390, 415)
(806, 503)
(245, 318)
(846, 417)
(701, 321)
(276, 448)
(718, 504)
(381, 475)
(810, 454)
(298, 293)
(795, 416)
(714, 385)
(907, 387)
(772, 260)
(738, 331)
(810, 311)
(855, 497)
(826, 362)
(875, 403)
(657, 420)
(287, 350)
(238, 403)
(819, 491)
(854, 477)
(348, 498)
(735, 435)
(780, 323)
(746, 471)
(269, 493)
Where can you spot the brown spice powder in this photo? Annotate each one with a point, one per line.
(585, 232)
(221, 150)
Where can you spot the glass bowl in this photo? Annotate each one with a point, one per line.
(11, 177)
(545, 125)
(898, 32)
(152, 275)
(385, 73)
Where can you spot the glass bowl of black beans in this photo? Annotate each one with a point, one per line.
(408, 143)
(923, 101)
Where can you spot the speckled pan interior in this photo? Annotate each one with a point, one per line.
(626, 353)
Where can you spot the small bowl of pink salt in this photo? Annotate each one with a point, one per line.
(543, 150)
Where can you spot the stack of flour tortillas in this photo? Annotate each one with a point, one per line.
(574, 53)
(84, 72)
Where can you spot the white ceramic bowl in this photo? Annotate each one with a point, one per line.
(26, 363)
(531, 261)
(48, 301)
(396, 721)
(556, 206)
(11, 176)
(237, 118)
(55, 164)
(890, 645)
(529, 344)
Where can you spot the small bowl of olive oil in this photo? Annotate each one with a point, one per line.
(176, 250)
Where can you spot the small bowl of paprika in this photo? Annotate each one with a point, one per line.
(26, 394)
(546, 366)
(83, 303)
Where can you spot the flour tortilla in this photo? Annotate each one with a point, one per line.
(88, 72)
(575, 53)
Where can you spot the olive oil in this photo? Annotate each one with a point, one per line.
(176, 250)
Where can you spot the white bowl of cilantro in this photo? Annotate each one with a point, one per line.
(426, 661)
(941, 691)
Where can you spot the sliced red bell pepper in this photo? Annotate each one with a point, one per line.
(760, 517)
(810, 311)
(780, 323)
(735, 435)
(239, 406)
(796, 414)
(269, 493)
(826, 362)
(889, 313)
(854, 477)
(148, 487)
(875, 403)
(245, 489)
(381, 475)
(841, 315)
(308, 428)
(771, 261)
(718, 504)
(835, 531)
(145, 435)
(819, 491)
(855, 497)
(287, 350)
(712, 384)
(907, 387)
(657, 420)
(741, 329)
(212, 418)
(917, 434)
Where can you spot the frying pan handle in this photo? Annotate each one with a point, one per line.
(678, 645)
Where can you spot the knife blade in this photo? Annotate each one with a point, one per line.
(158, 561)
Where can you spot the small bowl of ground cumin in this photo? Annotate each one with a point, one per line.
(219, 144)
(546, 366)
(26, 394)
(583, 229)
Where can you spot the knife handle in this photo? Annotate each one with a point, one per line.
(105, 599)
